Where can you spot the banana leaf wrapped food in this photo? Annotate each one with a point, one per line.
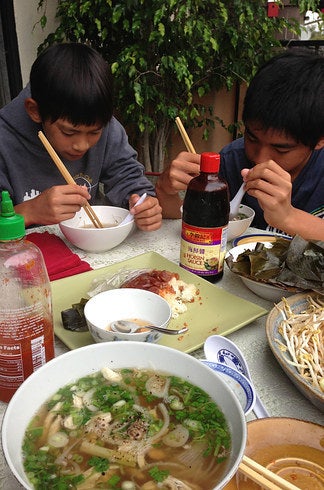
(295, 264)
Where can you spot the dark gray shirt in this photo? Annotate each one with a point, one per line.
(26, 169)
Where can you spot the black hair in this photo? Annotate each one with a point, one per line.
(287, 94)
(72, 81)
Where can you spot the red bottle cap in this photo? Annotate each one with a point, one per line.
(209, 162)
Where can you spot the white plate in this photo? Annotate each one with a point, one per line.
(257, 237)
(237, 382)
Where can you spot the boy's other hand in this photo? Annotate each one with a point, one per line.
(148, 215)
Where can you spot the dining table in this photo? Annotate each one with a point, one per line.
(279, 395)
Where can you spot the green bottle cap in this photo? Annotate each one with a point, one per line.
(12, 225)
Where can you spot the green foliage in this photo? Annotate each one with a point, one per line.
(166, 55)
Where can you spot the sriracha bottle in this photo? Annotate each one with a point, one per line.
(26, 322)
(205, 220)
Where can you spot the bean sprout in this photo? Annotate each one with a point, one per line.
(303, 339)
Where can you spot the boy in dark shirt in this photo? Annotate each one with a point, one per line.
(281, 157)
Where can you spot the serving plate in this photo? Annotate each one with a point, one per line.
(297, 303)
(257, 237)
(290, 447)
(214, 311)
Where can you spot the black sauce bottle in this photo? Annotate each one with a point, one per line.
(205, 221)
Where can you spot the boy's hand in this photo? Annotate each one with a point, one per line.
(179, 173)
(54, 205)
(148, 215)
(272, 187)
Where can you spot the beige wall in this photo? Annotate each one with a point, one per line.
(223, 103)
(29, 32)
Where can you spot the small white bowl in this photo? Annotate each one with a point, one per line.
(238, 226)
(262, 289)
(237, 382)
(77, 363)
(93, 239)
(126, 304)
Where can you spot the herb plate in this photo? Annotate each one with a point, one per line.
(214, 311)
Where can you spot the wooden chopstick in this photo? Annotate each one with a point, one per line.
(264, 477)
(185, 136)
(68, 177)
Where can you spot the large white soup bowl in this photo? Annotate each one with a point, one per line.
(90, 359)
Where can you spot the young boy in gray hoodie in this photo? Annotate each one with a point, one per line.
(70, 99)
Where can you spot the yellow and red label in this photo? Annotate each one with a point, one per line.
(203, 249)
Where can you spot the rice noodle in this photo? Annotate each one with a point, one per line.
(148, 444)
(303, 335)
(61, 460)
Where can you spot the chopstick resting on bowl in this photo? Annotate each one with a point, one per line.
(68, 177)
(185, 137)
(263, 477)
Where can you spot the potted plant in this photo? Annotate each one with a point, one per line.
(167, 54)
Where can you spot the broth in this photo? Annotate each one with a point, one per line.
(128, 428)
(298, 464)
(141, 324)
(104, 225)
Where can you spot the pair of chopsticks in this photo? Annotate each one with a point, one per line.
(262, 476)
(185, 137)
(68, 177)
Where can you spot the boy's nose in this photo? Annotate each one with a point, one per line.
(81, 145)
(260, 154)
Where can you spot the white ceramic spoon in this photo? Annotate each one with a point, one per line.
(130, 216)
(220, 349)
(125, 326)
(236, 201)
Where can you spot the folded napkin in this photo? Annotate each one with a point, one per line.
(60, 261)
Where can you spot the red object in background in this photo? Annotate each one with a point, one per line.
(273, 9)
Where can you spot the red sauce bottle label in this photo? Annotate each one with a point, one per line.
(26, 344)
(203, 249)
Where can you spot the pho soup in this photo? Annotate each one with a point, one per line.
(127, 429)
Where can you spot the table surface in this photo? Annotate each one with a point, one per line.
(278, 394)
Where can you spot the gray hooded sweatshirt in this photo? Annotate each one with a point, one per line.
(26, 169)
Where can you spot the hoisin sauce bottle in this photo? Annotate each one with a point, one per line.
(205, 221)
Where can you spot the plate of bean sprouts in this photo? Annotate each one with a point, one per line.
(295, 332)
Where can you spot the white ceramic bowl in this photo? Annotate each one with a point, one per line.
(126, 304)
(97, 239)
(237, 382)
(262, 289)
(90, 359)
(239, 226)
(297, 303)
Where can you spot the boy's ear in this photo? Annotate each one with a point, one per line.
(31, 107)
(320, 144)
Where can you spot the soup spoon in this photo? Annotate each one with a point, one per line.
(236, 201)
(220, 349)
(129, 217)
(125, 326)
